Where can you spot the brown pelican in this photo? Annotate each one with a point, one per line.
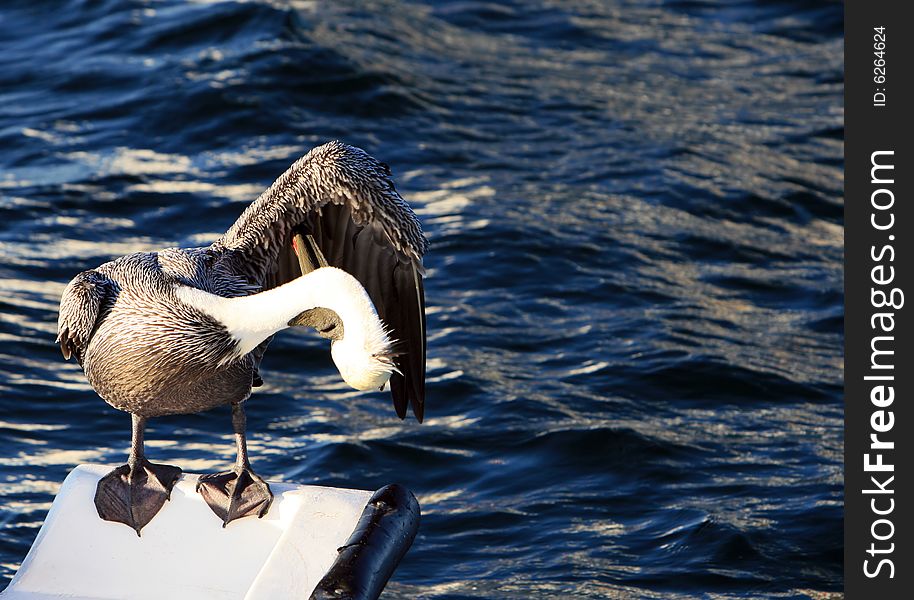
(330, 245)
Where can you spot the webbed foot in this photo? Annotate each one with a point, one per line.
(235, 494)
(134, 495)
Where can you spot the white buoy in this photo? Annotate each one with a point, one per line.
(186, 553)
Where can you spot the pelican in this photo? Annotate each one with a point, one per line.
(330, 245)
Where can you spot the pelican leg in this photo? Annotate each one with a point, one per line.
(134, 493)
(239, 492)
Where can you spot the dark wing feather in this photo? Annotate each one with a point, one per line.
(345, 200)
(411, 301)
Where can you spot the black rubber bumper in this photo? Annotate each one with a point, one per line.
(384, 533)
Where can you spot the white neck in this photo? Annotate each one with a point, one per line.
(252, 319)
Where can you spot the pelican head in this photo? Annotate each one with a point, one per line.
(360, 342)
(364, 358)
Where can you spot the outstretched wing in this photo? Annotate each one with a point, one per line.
(338, 204)
(81, 305)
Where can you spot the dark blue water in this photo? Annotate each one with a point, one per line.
(634, 285)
